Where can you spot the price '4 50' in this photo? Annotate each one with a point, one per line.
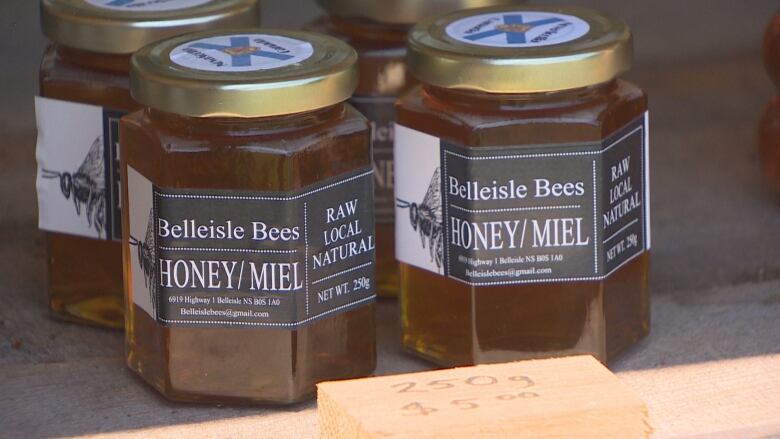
(512, 388)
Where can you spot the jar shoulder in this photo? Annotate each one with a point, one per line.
(60, 79)
(285, 137)
(587, 118)
(182, 154)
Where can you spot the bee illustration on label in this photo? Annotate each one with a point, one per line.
(86, 185)
(426, 218)
(145, 251)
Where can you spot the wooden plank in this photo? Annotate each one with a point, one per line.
(563, 397)
(734, 398)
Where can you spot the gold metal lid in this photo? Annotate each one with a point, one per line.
(244, 73)
(403, 11)
(124, 26)
(521, 49)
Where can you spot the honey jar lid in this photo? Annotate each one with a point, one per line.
(522, 49)
(124, 26)
(244, 73)
(403, 11)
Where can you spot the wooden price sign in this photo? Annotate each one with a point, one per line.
(564, 397)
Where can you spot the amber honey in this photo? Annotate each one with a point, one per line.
(85, 274)
(476, 111)
(87, 65)
(238, 342)
(377, 31)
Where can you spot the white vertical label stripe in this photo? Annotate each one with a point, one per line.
(71, 179)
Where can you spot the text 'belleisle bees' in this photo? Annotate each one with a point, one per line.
(541, 188)
(228, 230)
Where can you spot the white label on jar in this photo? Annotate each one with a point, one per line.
(78, 169)
(142, 241)
(147, 5)
(518, 29)
(418, 219)
(241, 53)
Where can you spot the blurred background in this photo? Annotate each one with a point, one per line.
(668, 34)
(715, 274)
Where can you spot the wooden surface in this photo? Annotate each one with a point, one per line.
(552, 398)
(684, 372)
(737, 398)
(710, 367)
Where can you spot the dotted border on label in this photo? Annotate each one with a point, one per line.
(646, 179)
(155, 198)
(306, 250)
(267, 198)
(517, 209)
(446, 207)
(298, 323)
(348, 270)
(156, 292)
(529, 156)
(595, 224)
(631, 223)
(234, 250)
(640, 128)
(547, 280)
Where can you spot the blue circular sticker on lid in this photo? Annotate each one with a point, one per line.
(147, 5)
(241, 53)
(518, 29)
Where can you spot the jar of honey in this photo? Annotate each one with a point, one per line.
(522, 218)
(769, 130)
(247, 217)
(377, 30)
(84, 90)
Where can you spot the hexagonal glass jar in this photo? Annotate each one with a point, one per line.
(262, 172)
(377, 30)
(504, 308)
(84, 89)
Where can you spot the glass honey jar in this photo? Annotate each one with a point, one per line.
(84, 89)
(248, 217)
(377, 30)
(769, 130)
(522, 218)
